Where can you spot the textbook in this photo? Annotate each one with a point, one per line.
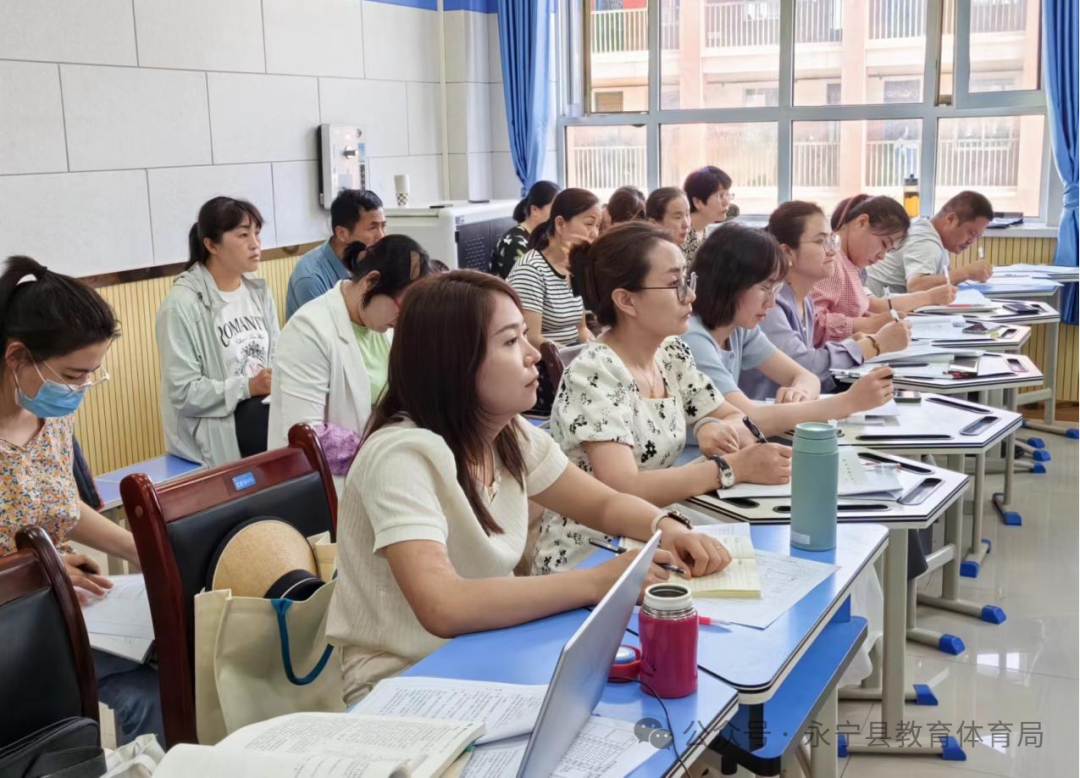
(330, 745)
(738, 579)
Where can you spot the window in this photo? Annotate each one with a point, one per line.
(818, 99)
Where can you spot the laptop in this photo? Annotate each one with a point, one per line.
(582, 671)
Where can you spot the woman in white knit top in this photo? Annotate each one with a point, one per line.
(434, 516)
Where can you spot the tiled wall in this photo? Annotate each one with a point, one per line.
(118, 118)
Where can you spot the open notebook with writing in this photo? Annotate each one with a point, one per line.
(738, 579)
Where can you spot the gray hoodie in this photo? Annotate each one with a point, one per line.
(197, 397)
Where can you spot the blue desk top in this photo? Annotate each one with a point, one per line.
(755, 661)
(159, 469)
(528, 654)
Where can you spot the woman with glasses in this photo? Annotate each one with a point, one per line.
(709, 191)
(334, 353)
(741, 271)
(809, 248)
(869, 228)
(626, 401)
(55, 332)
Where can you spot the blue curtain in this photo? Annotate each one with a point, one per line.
(1060, 44)
(524, 40)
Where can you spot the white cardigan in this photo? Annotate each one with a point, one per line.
(319, 374)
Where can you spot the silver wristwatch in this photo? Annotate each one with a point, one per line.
(725, 475)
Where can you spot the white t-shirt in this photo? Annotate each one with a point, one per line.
(403, 486)
(921, 254)
(241, 333)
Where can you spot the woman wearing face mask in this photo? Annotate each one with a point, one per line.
(627, 400)
(809, 247)
(55, 332)
(740, 270)
(216, 333)
(333, 355)
(530, 213)
(869, 228)
(541, 279)
(668, 208)
(434, 516)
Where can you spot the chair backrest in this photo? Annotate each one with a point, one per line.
(46, 668)
(178, 526)
(557, 359)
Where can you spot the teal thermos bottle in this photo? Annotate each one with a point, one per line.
(815, 465)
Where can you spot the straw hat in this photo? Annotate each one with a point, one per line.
(265, 557)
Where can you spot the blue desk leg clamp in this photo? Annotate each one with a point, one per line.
(1010, 518)
(992, 614)
(1040, 455)
(951, 750)
(1072, 433)
(841, 746)
(924, 695)
(1036, 442)
(951, 644)
(969, 569)
(1038, 469)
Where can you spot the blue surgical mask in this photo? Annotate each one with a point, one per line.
(53, 399)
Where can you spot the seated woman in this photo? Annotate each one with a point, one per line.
(55, 333)
(626, 204)
(668, 207)
(434, 517)
(541, 279)
(869, 228)
(333, 354)
(708, 190)
(625, 402)
(216, 333)
(809, 247)
(740, 270)
(530, 213)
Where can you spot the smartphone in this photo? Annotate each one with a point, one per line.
(907, 396)
(976, 328)
(1021, 308)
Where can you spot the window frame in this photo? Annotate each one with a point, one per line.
(572, 88)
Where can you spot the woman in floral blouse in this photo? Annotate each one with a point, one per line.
(624, 404)
(55, 332)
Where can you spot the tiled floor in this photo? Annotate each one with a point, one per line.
(1024, 670)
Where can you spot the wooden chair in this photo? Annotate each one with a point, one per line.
(178, 526)
(46, 668)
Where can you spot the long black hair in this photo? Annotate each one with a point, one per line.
(540, 195)
(49, 313)
(731, 260)
(392, 259)
(568, 203)
(216, 217)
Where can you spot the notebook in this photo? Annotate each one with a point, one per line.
(738, 579)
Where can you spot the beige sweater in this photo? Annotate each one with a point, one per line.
(403, 487)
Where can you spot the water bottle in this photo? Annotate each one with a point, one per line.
(815, 476)
(668, 627)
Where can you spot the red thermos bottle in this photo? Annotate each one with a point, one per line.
(668, 625)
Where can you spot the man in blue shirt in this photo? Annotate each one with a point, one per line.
(355, 215)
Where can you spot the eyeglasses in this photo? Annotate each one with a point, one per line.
(99, 376)
(771, 290)
(831, 243)
(725, 195)
(685, 285)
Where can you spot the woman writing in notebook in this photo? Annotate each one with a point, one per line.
(434, 515)
(55, 332)
(625, 403)
(868, 229)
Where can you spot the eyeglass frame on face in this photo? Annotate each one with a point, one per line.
(830, 244)
(773, 291)
(82, 388)
(687, 283)
(725, 195)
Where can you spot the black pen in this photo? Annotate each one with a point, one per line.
(620, 550)
(754, 430)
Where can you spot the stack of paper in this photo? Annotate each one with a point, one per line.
(738, 579)
(935, 327)
(916, 352)
(119, 623)
(967, 301)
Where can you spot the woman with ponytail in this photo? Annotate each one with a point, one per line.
(627, 400)
(216, 333)
(542, 279)
(55, 333)
(530, 213)
(868, 229)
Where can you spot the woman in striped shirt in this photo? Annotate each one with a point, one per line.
(541, 279)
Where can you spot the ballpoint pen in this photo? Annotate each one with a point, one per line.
(888, 299)
(620, 550)
(754, 430)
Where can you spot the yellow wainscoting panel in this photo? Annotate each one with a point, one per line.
(1035, 251)
(119, 423)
